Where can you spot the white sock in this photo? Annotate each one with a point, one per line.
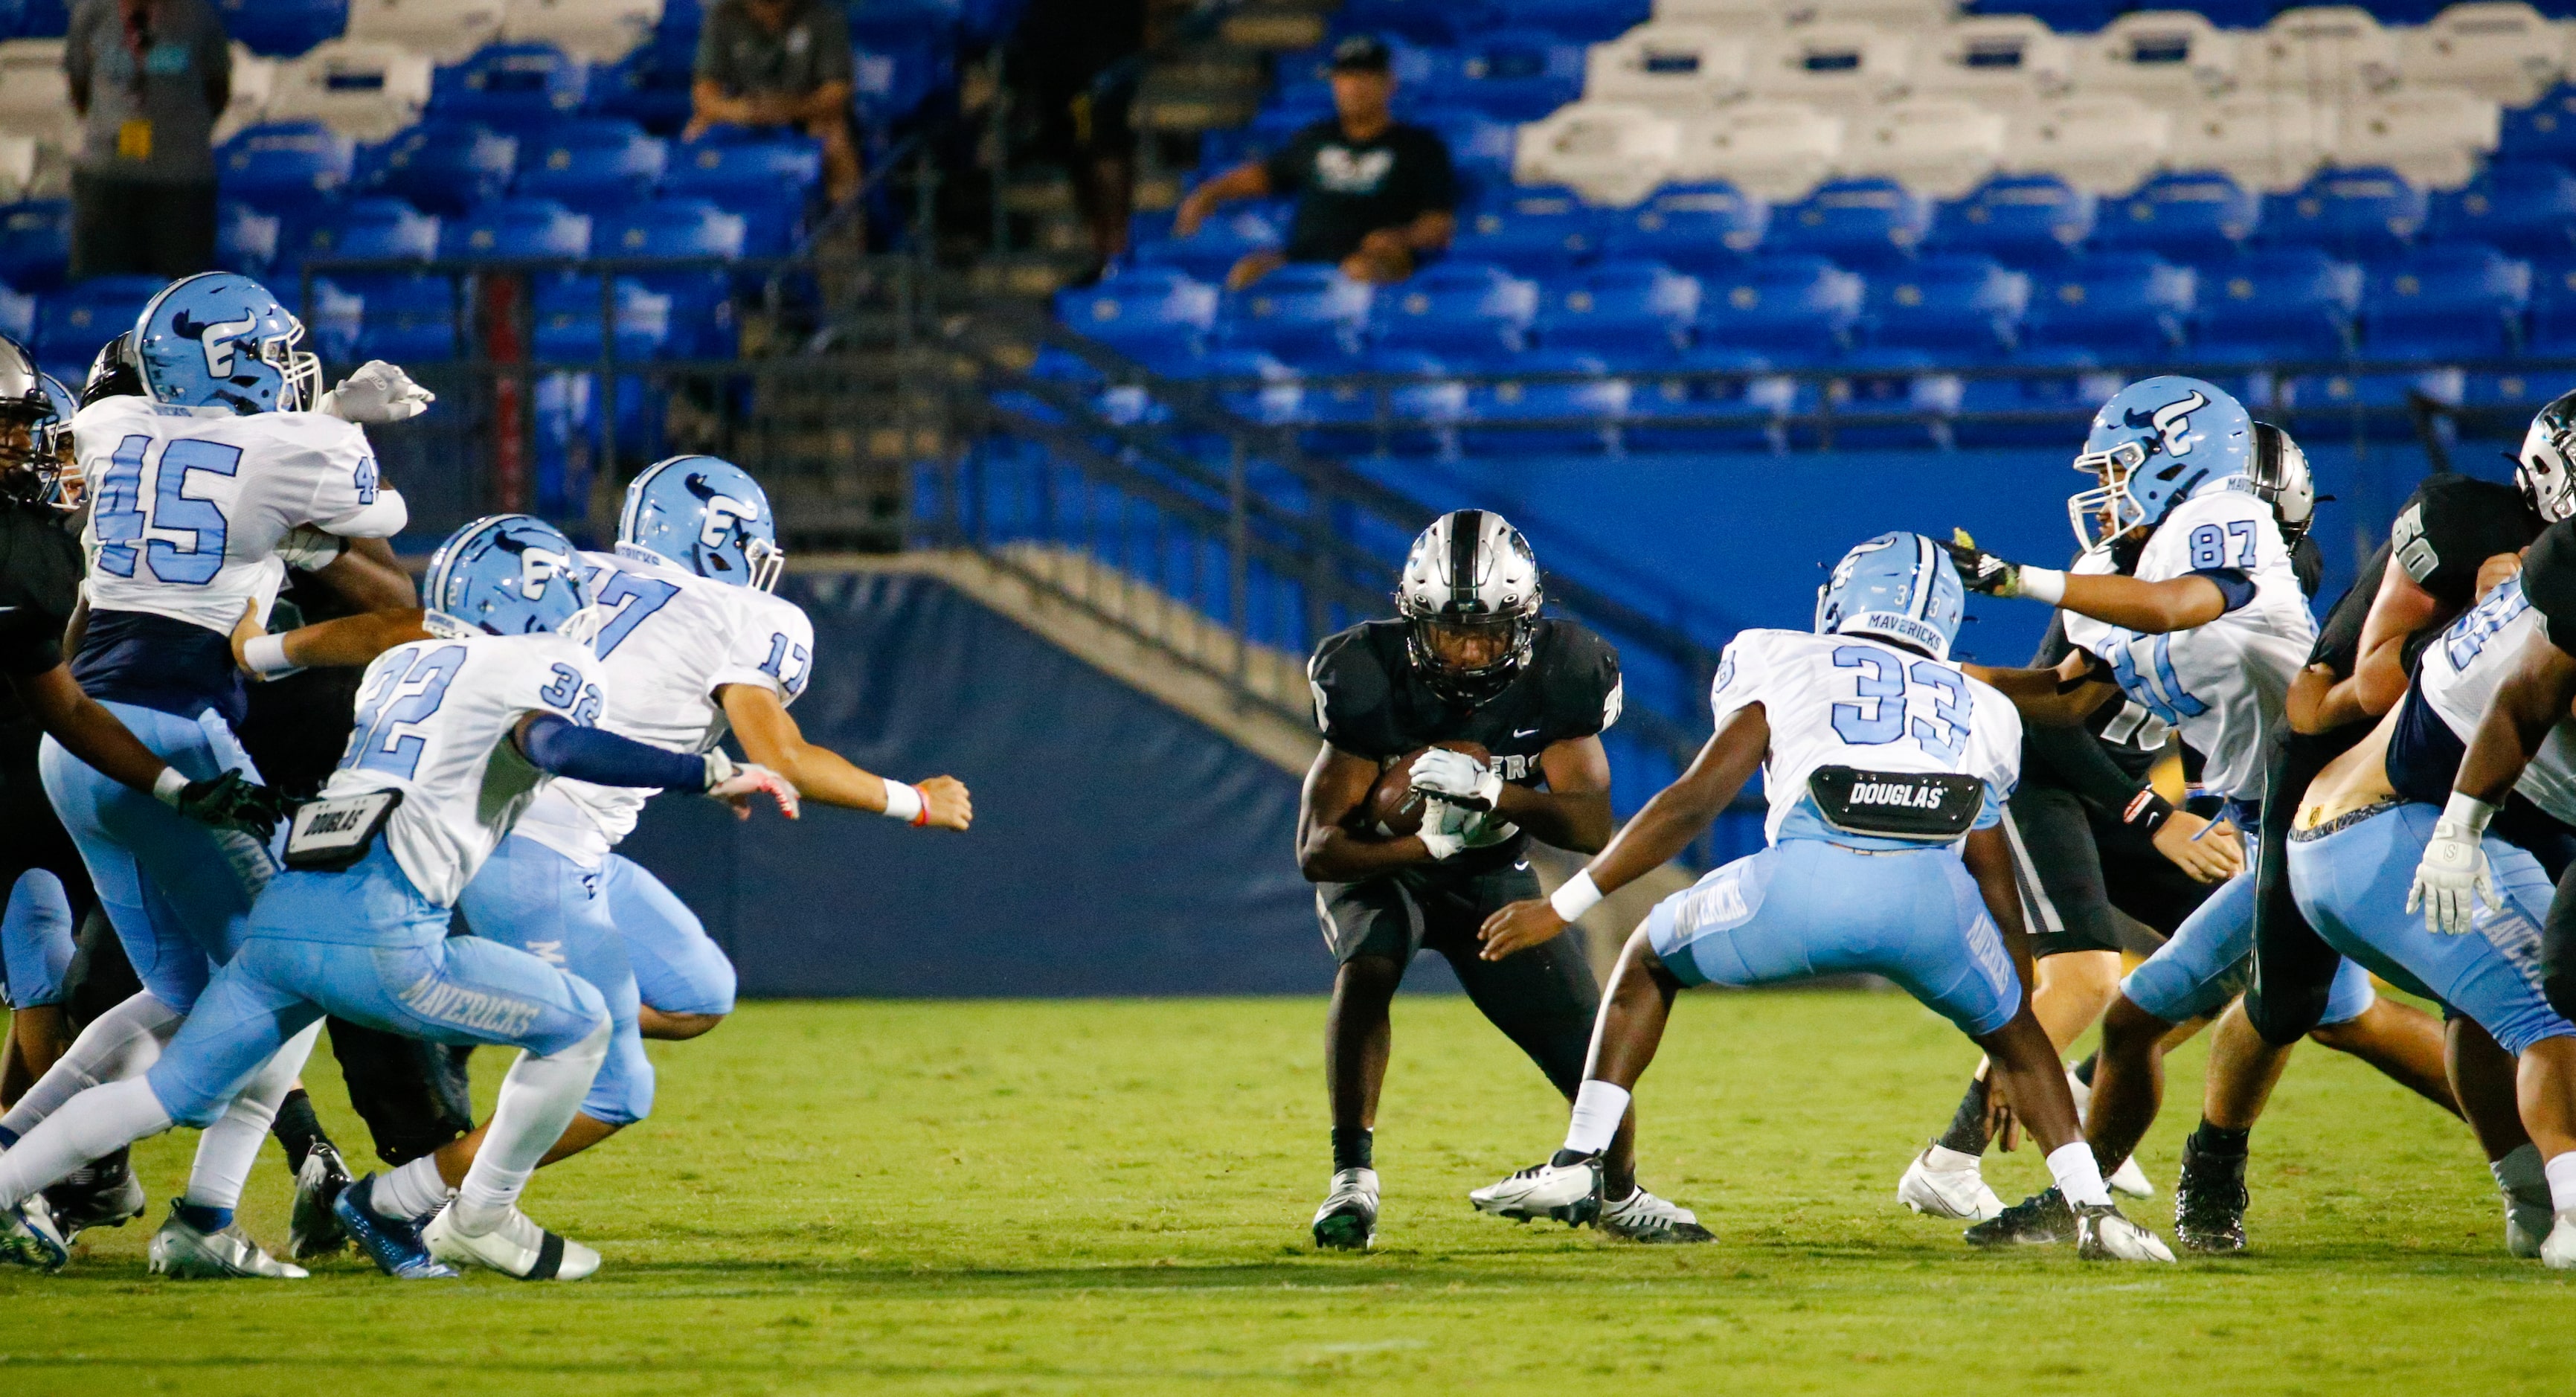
(412, 1191)
(230, 1146)
(96, 1122)
(121, 1043)
(1598, 1109)
(538, 1101)
(2562, 1182)
(2077, 1175)
(2520, 1172)
(1941, 1159)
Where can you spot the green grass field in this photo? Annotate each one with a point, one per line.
(1059, 1197)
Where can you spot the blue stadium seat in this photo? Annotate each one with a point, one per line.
(281, 166)
(35, 243)
(1225, 239)
(1587, 407)
(1887, 399)
(1509, 74)
(445, 167)
(37, 19)
(769, 180)
(2510, 394)
(2125, 307)
(1533, 230)
(2034, 409)
(17, 309)
(2292, 303)
(332, 317)
(281, 28)
(1457, 310)
(2446, 300)
(2187, 216)
(510, 87)
(1712, 400)
(1153, 309)
(1631, 312)
(591, 165)
(1790, 309)
(1409, 418)
(568, 318)
(1304, 77)
(2553, 310)
(2359, 214)
(2545, 130)
(2525, 207)
(374, 229)
(1303, 313)
(1961, 305)
(72, 323)
(1255, 386)
(902, 56)
(2026, 221)
(702, 319)
(1422, 21)
(1578, 21)
(2239, 14)
(513, 230)
(1480, 148)
(245, 239)
(1862, 223)
(406, 320)
(649, 86)
(2378, 406)
(1697, 228)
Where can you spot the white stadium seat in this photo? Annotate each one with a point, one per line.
(2331, 52)
(1941, 146)
(1745, 17)
(1677, 68)
(2102, 142)
(446, 30)
(2008, 59)
(17, 167)
(602, 31)
(2505, 52)
(2267, 141)
(2162, 55)
(35, 96)
(2431, 135)
(1773, 150)
(1910, 16)
(363, 90)
(1832, 65)
(1611, 152)
(254, 82)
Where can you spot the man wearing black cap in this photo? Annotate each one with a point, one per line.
(1374, 194)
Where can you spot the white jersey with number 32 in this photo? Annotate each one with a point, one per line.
(1857, 701)
(672, 640)
(2222, 685)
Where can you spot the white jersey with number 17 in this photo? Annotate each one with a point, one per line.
(672, 640)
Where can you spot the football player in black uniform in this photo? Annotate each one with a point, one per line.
(1468, 658)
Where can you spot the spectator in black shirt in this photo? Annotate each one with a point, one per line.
(1374, 194)
(779, 63)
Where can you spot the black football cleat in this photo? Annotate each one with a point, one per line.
(2209, 1202)
(2038, 1220)
(313, 1228)
(102, 1193)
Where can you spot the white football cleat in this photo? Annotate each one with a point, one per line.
(1642, 1217)
(2527, 1223)
(183, 1253)
(2130, 1180)
(1956, 1192)
(2101, 1234)
(1569, 1193)
(2558, 1253)
(1348, 1219)
(513, 1246)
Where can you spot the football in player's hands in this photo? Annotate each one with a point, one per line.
(377, 392)
(1394, 807)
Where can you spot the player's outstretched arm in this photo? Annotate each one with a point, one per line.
(553, 743)
(2149, 608)
(2452, 879)
(1653, 838)
(348, 641)
(2321, 700)
(2059, 697)
(1327, 850)
(771, 738)
(369, 577)
(89, 731)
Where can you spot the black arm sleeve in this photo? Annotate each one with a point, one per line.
(2234, 585)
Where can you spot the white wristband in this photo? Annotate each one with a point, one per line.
(167, 786)
(1578, 896)
(266, 656)
(904, 803)
(2468, 810)
(2042, 584)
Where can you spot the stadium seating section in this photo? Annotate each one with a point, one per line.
(2376, 201)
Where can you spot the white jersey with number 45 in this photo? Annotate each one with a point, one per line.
(1857, 701)
(188, 505)
(434, 718)
(2222, 685)
(672, 640)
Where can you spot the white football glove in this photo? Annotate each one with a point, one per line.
(1484, 829)
(2452, 880)
(1460, 778)
(377, 392)
(310, 549)
(735, 783)
(1444, 829)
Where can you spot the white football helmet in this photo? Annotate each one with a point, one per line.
(1470, 571)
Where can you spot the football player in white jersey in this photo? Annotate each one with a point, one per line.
(1886, 768)
(2186, 602)
(454, 736)
(694, 642)
(193, 490)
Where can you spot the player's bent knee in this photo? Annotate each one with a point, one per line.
(2128, 1030)
(622, 1094)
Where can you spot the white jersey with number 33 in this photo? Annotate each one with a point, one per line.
(2222, 685)
(1857, 701)
(672, 640)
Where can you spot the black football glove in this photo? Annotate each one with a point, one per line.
(1981, 571)
(231, 801)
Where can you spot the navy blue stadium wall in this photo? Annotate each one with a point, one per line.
(1119, 847)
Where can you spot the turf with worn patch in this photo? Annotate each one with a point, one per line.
(1055, 1197)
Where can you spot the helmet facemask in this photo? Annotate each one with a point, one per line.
(300, 372)
(2546, 469)
(1468, 658)
(2108, 510)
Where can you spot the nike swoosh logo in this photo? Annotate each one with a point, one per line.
(1526, 732)
(1522, 866)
